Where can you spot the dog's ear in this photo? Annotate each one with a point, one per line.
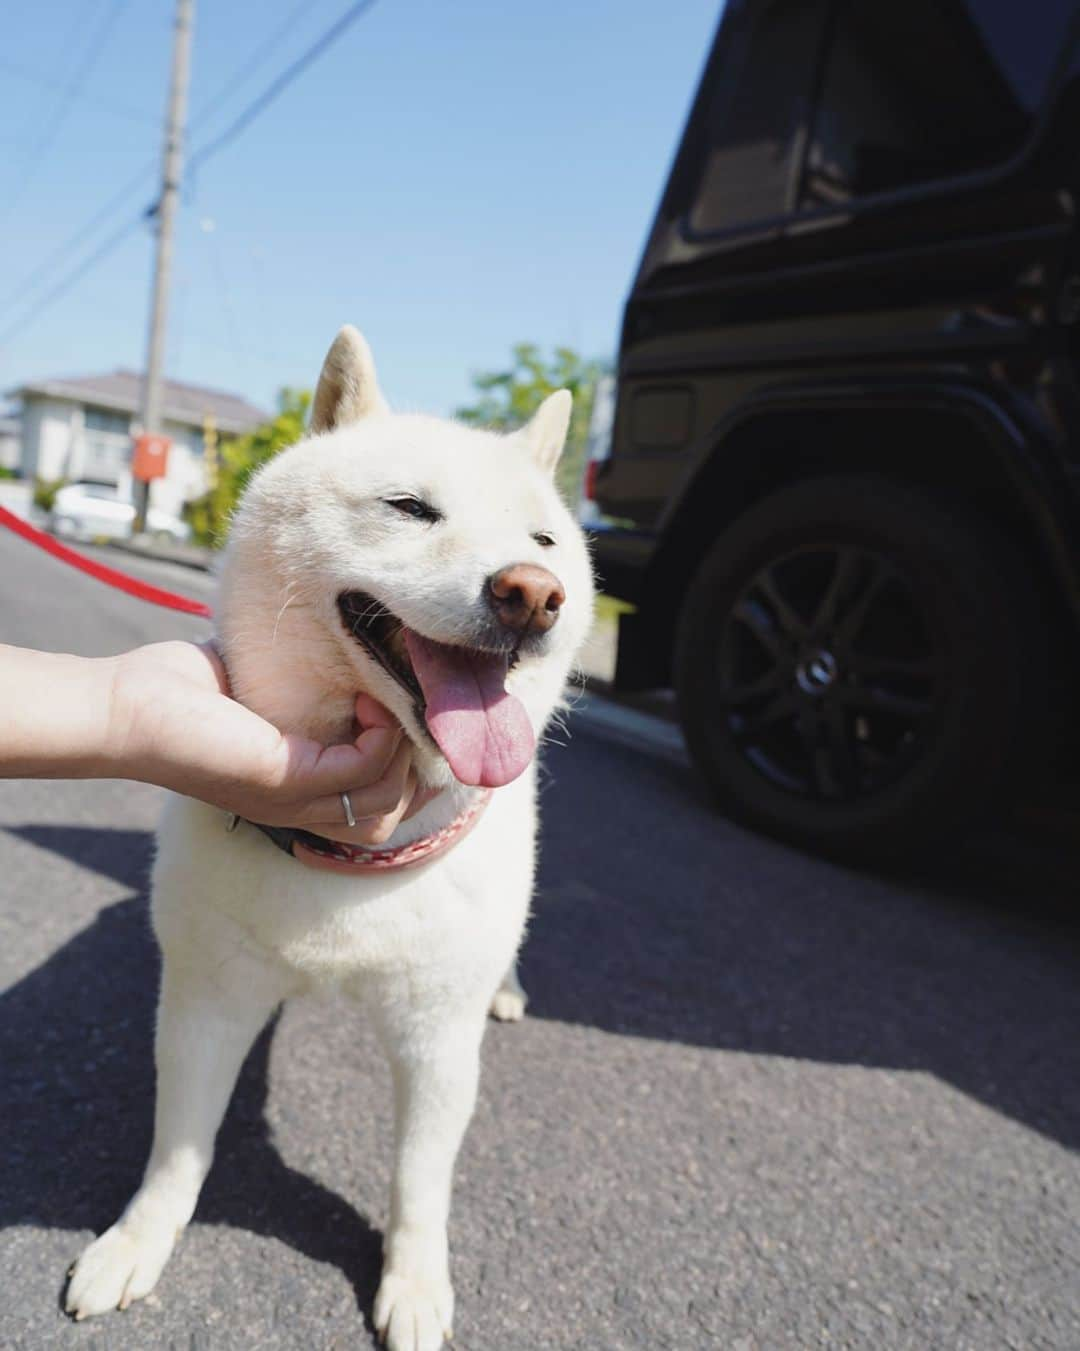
(347, 390)
(545, 432)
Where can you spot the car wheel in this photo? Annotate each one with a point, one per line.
(855, 663)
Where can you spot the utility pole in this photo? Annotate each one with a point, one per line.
(165, 216)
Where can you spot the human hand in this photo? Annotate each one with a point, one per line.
(173, 722)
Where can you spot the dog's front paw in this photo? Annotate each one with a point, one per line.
(508, 1006)
(413, 1314)
(121, 1266)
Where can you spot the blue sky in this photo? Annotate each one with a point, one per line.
(451, 177)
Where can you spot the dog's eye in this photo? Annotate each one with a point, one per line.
(544, 540)
(415, 507)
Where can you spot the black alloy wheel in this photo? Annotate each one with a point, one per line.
(828, 674)
(858, 665)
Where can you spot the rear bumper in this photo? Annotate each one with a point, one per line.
(622, 558)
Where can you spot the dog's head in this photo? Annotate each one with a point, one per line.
(429, 564)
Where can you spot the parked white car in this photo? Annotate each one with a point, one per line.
(93, 511)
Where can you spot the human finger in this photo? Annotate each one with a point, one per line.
(316, 773)
(370, 713)
(389, 795)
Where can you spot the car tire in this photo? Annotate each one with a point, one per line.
(867, 709)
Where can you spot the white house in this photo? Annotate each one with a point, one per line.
(81, 428)
(10, 442)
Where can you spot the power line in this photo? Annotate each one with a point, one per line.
(251, 66)
(76, 275)
(46, 267)
(37, 77)
(72, 91)
(278, 85)
(224, 296)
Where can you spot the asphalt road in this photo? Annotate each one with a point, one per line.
(760, 1101)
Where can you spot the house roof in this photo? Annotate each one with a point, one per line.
(122, 389)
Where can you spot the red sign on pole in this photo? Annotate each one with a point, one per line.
(150, 458)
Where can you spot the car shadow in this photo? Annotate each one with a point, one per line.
(77, 1055)
(656, 917)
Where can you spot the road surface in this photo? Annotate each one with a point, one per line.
(759, 1102)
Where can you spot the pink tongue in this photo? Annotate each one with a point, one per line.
(483, 730)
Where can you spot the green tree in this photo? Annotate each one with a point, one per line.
(238, 459)
(507, 399)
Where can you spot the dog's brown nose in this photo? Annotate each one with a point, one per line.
(526, 597)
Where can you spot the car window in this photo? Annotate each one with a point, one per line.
(921, 90)
(756, 112)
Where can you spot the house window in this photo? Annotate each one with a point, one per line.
(103, 420)
(918, 91)
(106, 444)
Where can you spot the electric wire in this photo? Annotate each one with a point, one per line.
(224, 93)
(47, 266)
(72, 90)
(279, 84)
(44, 81)
(73, 277)
(244, 119)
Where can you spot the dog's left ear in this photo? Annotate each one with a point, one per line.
(545, 432)
(348, 389)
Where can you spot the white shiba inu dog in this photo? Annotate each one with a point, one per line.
(434, 567)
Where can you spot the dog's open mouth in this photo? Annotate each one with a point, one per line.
(382, 634)
(459, 693)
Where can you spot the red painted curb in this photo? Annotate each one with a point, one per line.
(100, 571)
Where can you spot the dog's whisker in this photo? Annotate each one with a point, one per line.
(277, 622)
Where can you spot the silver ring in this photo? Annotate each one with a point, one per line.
(350, 820)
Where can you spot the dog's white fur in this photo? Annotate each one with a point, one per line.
(241, 926)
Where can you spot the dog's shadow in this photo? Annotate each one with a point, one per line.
(76, 1046)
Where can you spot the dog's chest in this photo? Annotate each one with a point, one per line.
(216, 891)
(324, 933)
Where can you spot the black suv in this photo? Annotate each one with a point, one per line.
(842, 489)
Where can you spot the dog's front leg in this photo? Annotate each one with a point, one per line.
(508, 1005)
(434, 1061)
(204, 1032)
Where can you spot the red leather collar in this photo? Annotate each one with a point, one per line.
(313, 851)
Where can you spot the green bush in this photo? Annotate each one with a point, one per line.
(45, 490)
(507, 399)
(238, 459)
(8, 473)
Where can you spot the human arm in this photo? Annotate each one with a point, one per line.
(162, 714)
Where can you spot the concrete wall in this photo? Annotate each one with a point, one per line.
(186, 477)
(57, 444)
(10, 449)
(47, 431)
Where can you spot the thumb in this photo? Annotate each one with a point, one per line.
(370, 713)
